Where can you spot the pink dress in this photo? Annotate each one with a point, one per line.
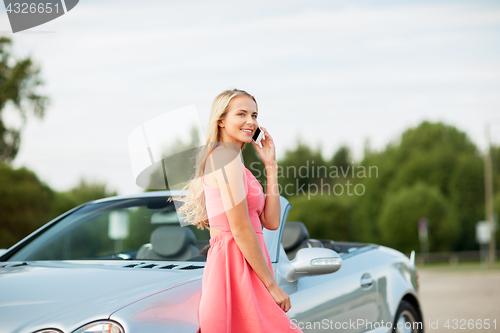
(234, 299)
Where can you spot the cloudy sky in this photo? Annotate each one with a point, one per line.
(329, 72)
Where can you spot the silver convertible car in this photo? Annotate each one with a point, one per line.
(125, 264)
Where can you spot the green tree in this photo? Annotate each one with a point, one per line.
(342, 160)
(496, 208)
(495, 161)
(25, 204)
(429, 153)
(301, 168)
(325, 216)
(19, 80)
(398, 222)
(367, 207)
(467, 195)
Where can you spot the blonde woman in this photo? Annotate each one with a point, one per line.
(239, 292)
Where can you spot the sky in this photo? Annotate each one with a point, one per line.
(330, 72)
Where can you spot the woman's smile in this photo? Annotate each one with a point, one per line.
(249, 132)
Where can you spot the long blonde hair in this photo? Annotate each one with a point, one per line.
(194, 202)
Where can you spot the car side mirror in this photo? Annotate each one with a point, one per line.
(312, 261)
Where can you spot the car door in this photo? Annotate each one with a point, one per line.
(344, 301)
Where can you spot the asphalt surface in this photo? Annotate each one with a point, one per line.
(460, 301)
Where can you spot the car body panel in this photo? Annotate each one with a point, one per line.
(58, 292)
(392, 272)
(318, 305)
(172, 310)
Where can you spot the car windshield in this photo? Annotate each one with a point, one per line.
(139, 228)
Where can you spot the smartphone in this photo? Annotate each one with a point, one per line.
(258, 135)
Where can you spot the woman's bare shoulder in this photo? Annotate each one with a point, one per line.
(223, 158)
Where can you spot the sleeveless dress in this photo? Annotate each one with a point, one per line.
(234, 299)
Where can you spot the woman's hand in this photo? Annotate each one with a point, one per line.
(268, 152)
(280, 297)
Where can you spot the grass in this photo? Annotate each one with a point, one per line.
(469, 266)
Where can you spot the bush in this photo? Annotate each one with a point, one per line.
(398, 222)
(324, 216)
(25, 204)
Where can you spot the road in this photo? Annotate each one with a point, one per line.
(466, 300)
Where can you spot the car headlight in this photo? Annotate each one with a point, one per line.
(101, 326)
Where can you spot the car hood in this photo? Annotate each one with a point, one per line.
(68, 294)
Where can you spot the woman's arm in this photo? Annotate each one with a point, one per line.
(249, 245)
(270, 216)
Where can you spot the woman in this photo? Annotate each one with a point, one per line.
(239, 292)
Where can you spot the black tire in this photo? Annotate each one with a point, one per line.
(407, 314)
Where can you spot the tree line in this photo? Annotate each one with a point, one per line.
(433, 171)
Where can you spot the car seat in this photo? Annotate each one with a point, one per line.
(170, 243)
(295, 236)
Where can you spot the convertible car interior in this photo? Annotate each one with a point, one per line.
(179, 243)
(296, 237)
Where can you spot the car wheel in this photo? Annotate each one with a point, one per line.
(407, 319)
